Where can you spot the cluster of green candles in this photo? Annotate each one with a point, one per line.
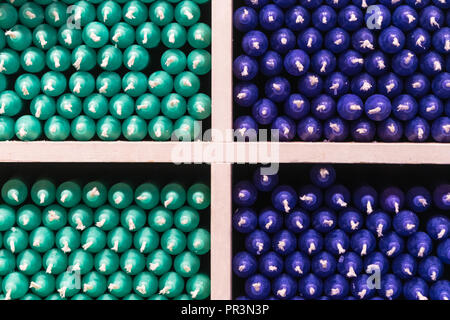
(102, 241)
(86, 69)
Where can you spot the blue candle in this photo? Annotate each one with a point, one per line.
(438, 227)
(271, 264)
(244, 220)
(310, 286)
(350, 265)
(310, 197)
(310, 242)
(391, 244)
(297, 264)
(270, 220)
(350, 220)
(363, 242)
(284, 242)
(244, 264)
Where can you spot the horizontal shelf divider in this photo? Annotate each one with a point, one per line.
(224, 152)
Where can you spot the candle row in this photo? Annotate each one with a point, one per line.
(312, 244)
(323, 65)
(57, 242)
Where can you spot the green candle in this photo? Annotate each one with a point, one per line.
(109, 58)
(81, 217)
(58, 59)
(95, 194)
(106, 217)
(186, 219)
(82, 128)
(53, 83)
(119, 284)
(107, 297)
(69, 38)
(43, 107)
(132, 262)
(173, 36)
(56, 14)
(199, 286)
(95, 34)
(28, 217)
(134, 84)
(10, 103)
(173, 196)
(148, 35)
(183, 297)
(160, 219)
(121, 106)
(93, 240)
(28, 128)
(157, 297)
(8, 16)
(145, 284)
(173, 61)
(146, 196)
(83, 58)
(27, 86)
(199, 196)
(159, 262)
(44, 37)
(55, 296)
(108, 84)
(68, 106)
(68, 194)
(94, 284)
(106, 262)
(31, 15)
(6, 128)
(81, 84)
(199, 61)
(43, 192)
(133, 218)
(29, 262)
(95, 106)
(32, 60)
(108, 128)
(187, 13)
(42, 239)
(199, 36)
(186, 129)
(136, 58)
(68, 239)
(199, 106)
(14, 192)
(7, 217)
(10, 61)
(121, 195)
(30, 296)
(15, 286)
(81, 296)
(173, 106)
(187, 264)
(80, 262)
(7, 262)
(160, 128)
(161, 13)
(84, 12)
(42, 284)
(54, 261)
(109, 13)
(135, 13)
(57, 128)
(66, 284)
(160, 83)
(187, 84)
(146, 240)
(119, 240)
(171, 285)
(19, 37)
(173, 241)
(199, 241)
(122, 35)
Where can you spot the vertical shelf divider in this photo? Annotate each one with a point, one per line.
(221, 172)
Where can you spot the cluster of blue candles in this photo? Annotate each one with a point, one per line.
(343, 70)
(321, 240)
